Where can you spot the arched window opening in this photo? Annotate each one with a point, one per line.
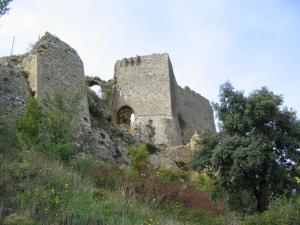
(125, 118)
(97, 89)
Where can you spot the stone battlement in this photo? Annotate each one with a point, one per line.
(137, 60)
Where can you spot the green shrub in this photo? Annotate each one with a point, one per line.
(193, 216)
(152, 149)
(8, 139)
(29, 125)
(94, 111)
(138, 157)
(19, 219)
(47, 202)
(84, 166)
(203, 183)
(48, 126)
(280, 212)
(166, 177)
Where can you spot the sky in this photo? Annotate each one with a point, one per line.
(249, 43)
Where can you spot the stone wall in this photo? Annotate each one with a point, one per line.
(14, 89)
(195, 113)
(162, 108)
(144, 84)
(165, 114)
(54, 67)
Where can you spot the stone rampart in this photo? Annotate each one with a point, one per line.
(194, 113)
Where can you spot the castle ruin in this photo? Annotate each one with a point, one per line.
(144, 86)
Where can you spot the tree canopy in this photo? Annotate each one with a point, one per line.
(4, 6)
(254, 156)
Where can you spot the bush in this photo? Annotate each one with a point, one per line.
(280, 212)
(8, 139)
(193, 216)
(48, 126)
(203, 183)
(29, 125)
(138, 157)
(166, 177)
(84, 166)
(94, 111)
(151, 148)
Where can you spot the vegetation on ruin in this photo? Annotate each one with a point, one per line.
(44, 181)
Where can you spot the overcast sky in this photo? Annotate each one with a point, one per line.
(249, 43)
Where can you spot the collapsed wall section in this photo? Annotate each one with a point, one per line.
(194, 113)
(144, 85)
(56, 68)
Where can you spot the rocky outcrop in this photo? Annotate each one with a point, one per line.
(105, 140)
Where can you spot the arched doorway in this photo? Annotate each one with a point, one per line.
(125, 117)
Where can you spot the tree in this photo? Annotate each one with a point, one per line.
(4, 6)
(254, 156)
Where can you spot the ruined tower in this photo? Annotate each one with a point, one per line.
(164, 113)
(53, 67)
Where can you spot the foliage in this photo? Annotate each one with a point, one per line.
(152, 149)
(29, 125)
(138, 157)
(167, 177)
(45, 191)
(203, 183)
(8, 140)
(85, 165)
(107, 90)
(197, 216)
(280, 212)
(94, 111)
(37, 188)
(4, 6)
(48, 126)
(253, 158)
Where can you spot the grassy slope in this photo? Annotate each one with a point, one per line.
(37, 189)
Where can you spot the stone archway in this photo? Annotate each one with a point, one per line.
(125, 116)
(94, 83)
(97, 89)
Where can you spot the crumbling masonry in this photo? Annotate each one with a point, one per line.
(147, 87)
(144, 86)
